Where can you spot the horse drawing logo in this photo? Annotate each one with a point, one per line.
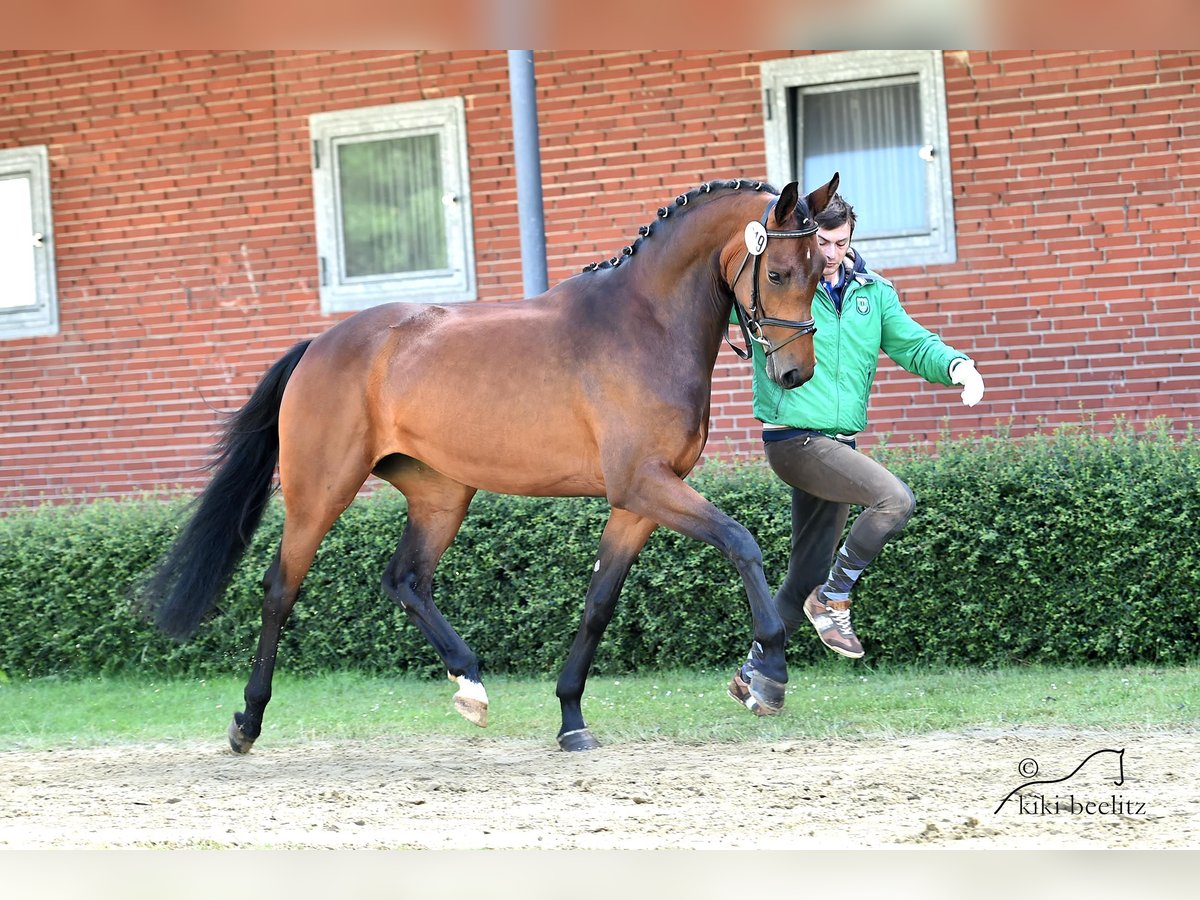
(1029, 768)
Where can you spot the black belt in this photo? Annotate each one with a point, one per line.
(785, 434)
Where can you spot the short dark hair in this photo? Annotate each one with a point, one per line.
(837, 212)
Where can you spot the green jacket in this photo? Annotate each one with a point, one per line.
(834, 400)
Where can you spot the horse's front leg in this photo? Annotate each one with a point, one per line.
(623, 538)
(657, 492)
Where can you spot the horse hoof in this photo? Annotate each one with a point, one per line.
(579, 739)
(471, 700)
(237, 738)
(767, 695)
(471, 710)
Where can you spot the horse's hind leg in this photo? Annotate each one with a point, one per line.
(436, 508)
(623, 538)
(311, 511)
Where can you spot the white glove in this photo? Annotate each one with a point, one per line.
(963, 372)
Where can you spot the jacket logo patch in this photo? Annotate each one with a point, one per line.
(863, 305)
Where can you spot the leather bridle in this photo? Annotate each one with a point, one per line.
(752, 320)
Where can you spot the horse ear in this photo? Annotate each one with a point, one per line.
(786, 204)
(820, 198)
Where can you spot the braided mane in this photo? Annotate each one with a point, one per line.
(697, 196)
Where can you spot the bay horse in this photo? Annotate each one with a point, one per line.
(599, 387)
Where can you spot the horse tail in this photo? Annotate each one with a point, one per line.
(191, 577)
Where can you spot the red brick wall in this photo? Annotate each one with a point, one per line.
(186, 258)
(1076, 181)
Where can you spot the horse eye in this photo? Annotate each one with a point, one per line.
(774, 278)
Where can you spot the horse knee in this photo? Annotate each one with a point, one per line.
(744, 551)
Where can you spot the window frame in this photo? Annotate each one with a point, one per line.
(854, 69)
(456, 283)
(41, 318)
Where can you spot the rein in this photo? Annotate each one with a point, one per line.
(749, 320)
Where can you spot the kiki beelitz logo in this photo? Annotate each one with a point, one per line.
(1039, 804)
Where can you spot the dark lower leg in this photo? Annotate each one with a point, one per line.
(436, 509)
(416, 599)
(623, 538)
(660, 494)
(277, 606)
(258, 689)
(408, 580)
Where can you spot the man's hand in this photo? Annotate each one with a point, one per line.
(963, 372)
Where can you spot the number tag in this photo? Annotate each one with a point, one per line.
(756, 238)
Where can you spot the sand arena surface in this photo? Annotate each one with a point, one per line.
(477, 792)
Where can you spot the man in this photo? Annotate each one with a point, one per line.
(809, 439)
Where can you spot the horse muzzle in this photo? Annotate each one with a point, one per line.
(789, 376)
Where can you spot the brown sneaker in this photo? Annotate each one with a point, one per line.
(832, 621)
(739, 690)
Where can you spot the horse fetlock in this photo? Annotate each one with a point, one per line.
(239, 741)
(470, 700)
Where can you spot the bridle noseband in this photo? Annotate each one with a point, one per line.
(750, 320)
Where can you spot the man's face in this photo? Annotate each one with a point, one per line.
(834, 242)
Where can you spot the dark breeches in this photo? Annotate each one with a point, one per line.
(827, 476)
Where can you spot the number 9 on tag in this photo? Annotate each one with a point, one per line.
(756, 238)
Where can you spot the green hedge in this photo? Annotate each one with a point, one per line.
(1068, 548)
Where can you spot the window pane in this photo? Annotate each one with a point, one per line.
(872, 136)
(18, 287)
(390, 195)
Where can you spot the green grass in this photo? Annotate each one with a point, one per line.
(835, 699)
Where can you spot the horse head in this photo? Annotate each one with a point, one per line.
(786, 270)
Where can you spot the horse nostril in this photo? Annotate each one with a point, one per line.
(796, 376)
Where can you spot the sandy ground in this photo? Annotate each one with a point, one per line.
(476, 792)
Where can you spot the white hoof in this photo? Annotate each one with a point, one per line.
(470, 700)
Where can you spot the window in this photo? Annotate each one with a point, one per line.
(393, 212)
(878, 118)
(28, 300)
